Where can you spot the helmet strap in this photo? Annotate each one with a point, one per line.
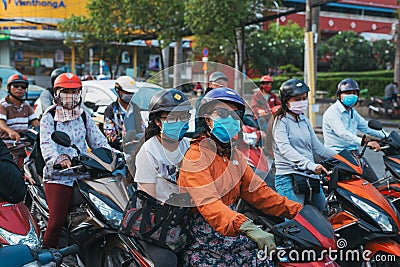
(17, 98)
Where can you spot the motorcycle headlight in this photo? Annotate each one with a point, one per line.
(30, 239)
(111, 215)
(250, 138)
(380, 218)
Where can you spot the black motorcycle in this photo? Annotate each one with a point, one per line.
(379, 108)
(96, 207)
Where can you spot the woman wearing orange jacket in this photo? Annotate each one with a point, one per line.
(216, 175)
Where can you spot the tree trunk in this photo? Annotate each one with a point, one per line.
(178, 51)
(239, 61)
(165, 65)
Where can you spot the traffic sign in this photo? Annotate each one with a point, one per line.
(205, 52)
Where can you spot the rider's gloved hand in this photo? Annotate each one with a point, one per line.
(255, 233)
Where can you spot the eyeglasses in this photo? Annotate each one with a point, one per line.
(172, 118)
(21, 85)
(224, 113)
(266, 82)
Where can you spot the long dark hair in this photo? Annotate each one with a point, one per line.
(151, 130)
(281, 112)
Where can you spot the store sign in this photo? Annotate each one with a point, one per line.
(59, 9)
(53, 4)
(34, 3)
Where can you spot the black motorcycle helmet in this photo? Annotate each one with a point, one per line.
(54, 74)
(345, 85)
(164, 100)
(292, 88)
(168, 100)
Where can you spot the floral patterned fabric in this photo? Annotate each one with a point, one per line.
(81, 137)
(210, 248)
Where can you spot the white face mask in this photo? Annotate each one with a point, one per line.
(298, 107)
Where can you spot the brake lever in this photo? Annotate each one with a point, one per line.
(70, 168)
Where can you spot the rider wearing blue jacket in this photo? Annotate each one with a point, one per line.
(341, 122)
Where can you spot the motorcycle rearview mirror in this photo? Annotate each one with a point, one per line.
(376, 125)
(64, 140)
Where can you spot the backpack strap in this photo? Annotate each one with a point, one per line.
(83, 115)
(53, 113)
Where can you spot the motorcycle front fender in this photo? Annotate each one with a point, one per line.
(383, 245)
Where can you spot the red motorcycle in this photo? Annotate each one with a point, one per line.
(17, 226)
(363, 219)
(252, 150)
(389, 185)
(302, 241)
(250, 146)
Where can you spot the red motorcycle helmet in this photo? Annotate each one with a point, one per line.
(266, 78)
(68, 81)
(17, 78)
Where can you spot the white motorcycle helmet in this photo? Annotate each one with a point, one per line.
(126, 84)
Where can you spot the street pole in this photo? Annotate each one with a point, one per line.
(309, 68)
(310, 77)
(135, 62)
(73, 58)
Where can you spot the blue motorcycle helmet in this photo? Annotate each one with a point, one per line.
(222, 94)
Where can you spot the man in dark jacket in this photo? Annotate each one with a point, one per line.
(12, 186)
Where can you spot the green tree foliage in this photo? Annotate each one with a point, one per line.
(113, 23)
(384, 53)
(163, 18)
(275, 47)
(215, 22)
(348, 51)
(106, 25)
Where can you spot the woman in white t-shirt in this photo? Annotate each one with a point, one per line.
(158, 160)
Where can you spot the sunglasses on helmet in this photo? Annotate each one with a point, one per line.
(172, 118)
(20, 85)
(224, 113)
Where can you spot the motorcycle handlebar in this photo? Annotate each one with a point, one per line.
(21, 141)
(69, 250)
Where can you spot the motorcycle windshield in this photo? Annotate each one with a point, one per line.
(101, 159)
(394, 139)
(348, 162)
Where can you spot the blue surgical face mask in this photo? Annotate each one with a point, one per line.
(349, 100)
(225, 128)
(175, 130)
